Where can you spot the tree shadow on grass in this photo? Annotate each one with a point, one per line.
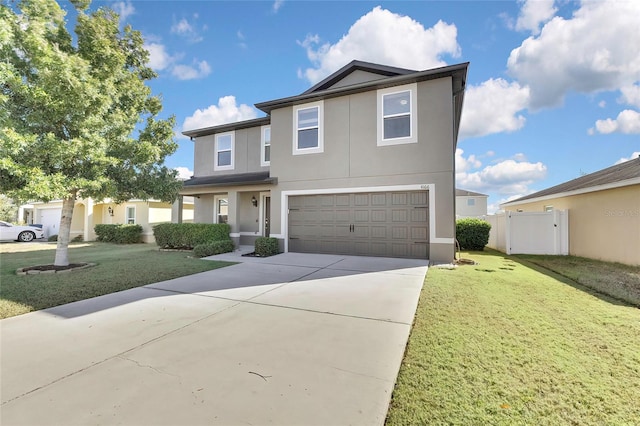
(571, 282)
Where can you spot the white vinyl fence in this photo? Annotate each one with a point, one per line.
(530, 232)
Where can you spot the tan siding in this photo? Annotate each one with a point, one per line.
(602, 225)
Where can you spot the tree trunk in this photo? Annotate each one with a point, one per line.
(62, 249)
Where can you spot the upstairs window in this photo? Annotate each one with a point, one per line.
(308, 125)
(471, 201)
(265, 159)
(224, 151)
(397, 115)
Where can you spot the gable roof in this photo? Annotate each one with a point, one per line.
(465, 193)
(623, 174)
(390, 76)
(457, 72)
(351, 67)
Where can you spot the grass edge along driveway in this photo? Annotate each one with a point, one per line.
(119, 267)
(502, 343)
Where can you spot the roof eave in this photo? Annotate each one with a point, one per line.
(459, 70)
(613, 185)
(227, 127)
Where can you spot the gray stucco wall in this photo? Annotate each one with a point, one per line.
(246, 154)
(352, 158)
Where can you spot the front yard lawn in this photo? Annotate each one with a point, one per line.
(119, 267)
(502, 343)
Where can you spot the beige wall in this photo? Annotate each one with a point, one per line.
(603, 225)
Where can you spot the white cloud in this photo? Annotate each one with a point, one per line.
(534, 13)
(507, 177)
(628, 122)
(519, 157)
(227, 111)
(597, 49)
(187, 30)
(159, 58)
(466, 164)
(631, 95)
(277, 5)
(124, 9)
(492, 107)
(383, 37)
(633, 156)
(602, 104)
(187, 72)
(184, 172)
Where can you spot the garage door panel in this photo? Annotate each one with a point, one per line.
(371, 224)
(401, 199)
(399, 215)
(361, 216)
(419, 215)
(343, 216)
(419, 233)
(399, 233)
(343, 200)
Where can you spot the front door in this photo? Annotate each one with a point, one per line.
(267, 216)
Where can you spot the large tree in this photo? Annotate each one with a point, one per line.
(77, 118)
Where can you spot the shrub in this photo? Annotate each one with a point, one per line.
(472, 234)
(188, 235)
(53, 238)
(214, 247)
(77, 239)
(266, 246)
(119, 234)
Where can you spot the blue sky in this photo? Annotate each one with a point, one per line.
(553, 87)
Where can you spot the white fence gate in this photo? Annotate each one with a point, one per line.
(530, 232)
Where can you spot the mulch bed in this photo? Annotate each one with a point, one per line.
(52, 269)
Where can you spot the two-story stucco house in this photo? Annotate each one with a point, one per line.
(362, 163)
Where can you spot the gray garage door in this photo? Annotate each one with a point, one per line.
(393, 224)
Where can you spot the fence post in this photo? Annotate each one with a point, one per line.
(507, 232)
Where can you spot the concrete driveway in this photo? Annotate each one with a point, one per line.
(293, 339)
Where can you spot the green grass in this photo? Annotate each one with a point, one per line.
(614, 279)
(119, 267)
(501, 343)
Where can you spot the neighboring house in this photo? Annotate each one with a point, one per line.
(88, 213)
(362, 163)
(470, 204)
(604, 212)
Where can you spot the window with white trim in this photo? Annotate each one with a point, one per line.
(397, 122)
(471, 201)
(265, 144)
(130, 215)
(224, 147)
(308, 137)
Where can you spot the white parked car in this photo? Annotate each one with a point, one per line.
(19, 233)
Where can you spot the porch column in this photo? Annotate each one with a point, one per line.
(233, 216)
(88, 220)
(176, 210)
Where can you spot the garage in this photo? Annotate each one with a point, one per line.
(390, 224)
(50, 220)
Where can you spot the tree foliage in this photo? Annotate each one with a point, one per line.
(76, 116)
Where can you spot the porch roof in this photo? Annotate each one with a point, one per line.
(255, 178)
